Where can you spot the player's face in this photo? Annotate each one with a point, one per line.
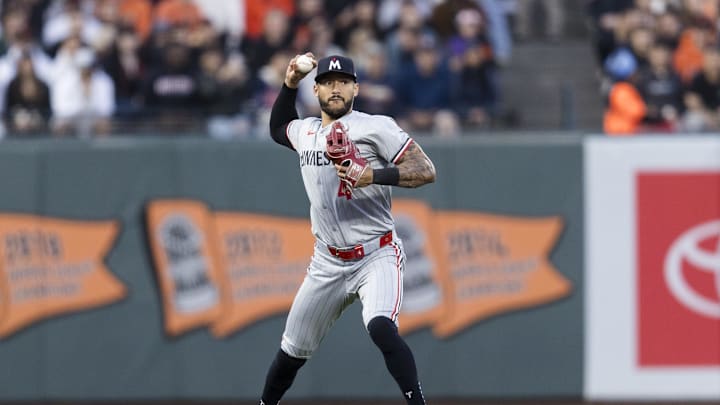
(336, 92)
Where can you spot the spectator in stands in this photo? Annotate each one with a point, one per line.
(108, 16)
(20, 43)
(688, 57)
(634, 21)
(65, 58)
(33, 15)
(201, 37)
(137, 14)
(71, 20)
(469, 31)
(321, 40)
(424, 92)
(83, 99)
(606, 18)
(668, 30)
(702, 97)
(14, 24)
(271, 77)
(358, 42)
(443, 19)
(27, 102)
(274, 37)
(477, 93)
(405, 39)
(223, 90)
(256, 15)
(390, 12)
(125, 67)
(472, 58)
(639, 42)
(625, 106)
(227, 17)
(377, 95)
(18, 39)
(360, 14)
(178, 13)
(498, 30)
(170, 91)
(699, 10)
(308, 12)
(661, 89)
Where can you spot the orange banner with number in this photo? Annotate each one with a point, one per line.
(182, 240)
(422, 304)
(463, 267)
(224, 270)
(265, 259)
(53, 266)
(494, 264)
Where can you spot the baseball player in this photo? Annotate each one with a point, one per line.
(349, 160)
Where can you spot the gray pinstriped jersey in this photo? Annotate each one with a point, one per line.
(336, 220)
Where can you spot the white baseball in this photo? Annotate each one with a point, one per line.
(304, 63)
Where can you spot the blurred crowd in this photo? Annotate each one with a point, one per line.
(661, 64)
(98, 67)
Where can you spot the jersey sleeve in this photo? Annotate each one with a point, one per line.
(292, 131)
(391, 140)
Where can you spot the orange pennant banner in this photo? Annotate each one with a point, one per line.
(265, 260)
(423, 301)
(53, 266)
(182, 241)
(494, 264)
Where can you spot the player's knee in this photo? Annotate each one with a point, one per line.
(295, 351)
(384, 333)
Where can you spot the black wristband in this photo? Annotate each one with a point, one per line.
(388, 176)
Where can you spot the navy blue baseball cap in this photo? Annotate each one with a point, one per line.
(335, 64)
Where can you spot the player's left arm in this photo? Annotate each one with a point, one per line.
(413, 169)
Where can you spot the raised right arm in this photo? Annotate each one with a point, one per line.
(282, 113)
(283, 110)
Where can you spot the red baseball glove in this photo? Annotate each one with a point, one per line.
(341, 150)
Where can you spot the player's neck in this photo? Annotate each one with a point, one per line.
(327, 120)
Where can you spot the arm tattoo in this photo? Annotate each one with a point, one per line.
(415, 168)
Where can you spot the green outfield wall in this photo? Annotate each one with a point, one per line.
(526, 346)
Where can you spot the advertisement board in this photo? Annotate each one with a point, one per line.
(652, 246)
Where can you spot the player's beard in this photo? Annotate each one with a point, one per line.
(333, 110)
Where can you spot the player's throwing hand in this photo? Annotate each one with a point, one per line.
(294, 73)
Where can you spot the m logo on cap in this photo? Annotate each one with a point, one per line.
(334, 65)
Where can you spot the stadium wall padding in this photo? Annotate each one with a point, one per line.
(121, 351)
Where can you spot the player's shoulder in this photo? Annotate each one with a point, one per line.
(373, 119)
(305, 123)
(309, 120)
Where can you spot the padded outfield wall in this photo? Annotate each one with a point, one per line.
(538, 267)
(91, 304)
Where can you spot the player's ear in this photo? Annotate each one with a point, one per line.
(315, 89)
(356, 90)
